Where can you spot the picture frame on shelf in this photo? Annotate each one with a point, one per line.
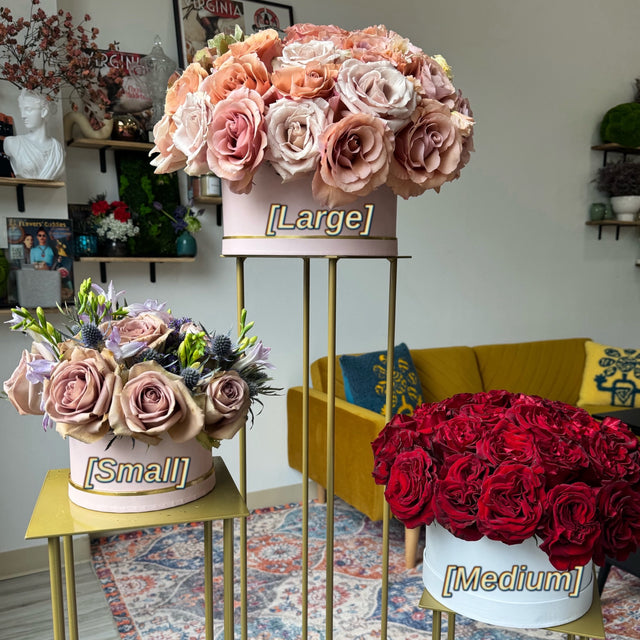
(197, 21)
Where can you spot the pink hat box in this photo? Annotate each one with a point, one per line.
(283, 219)
(131, 476)
(507, 585)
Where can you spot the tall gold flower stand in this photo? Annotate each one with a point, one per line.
(590, 625)
(55, 517)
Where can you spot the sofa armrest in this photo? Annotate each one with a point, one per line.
(355, 429)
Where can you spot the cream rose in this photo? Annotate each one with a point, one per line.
(190, 138)
(24, 395)
(146, 327)
(355, 153)
(300, 54)
(379, 89)
(293, 129)
(165, 157)
(78, 394)
(153, 402)
(227, 404)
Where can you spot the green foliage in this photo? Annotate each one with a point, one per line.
(622, 125)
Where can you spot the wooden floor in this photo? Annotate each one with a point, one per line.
(25, 607)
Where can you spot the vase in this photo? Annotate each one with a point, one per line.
(277, 219)
(186, 245)
(625, 207)
(85, 245)
(122, 475)
(113, 248)
(506, 585)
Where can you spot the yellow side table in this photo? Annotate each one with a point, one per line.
(55, 517)
(590, 625)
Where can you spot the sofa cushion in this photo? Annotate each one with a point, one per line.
(547, 368)
(611, 376)
(365, 379)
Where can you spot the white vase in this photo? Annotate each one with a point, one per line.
(505, 585)
(625, 207)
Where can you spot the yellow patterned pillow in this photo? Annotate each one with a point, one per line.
(611, 376)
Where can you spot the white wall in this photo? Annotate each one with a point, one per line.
(500, 255)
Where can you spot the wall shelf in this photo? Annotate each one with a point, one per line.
(612, 147)
(103, 145)
(151, 261)
(215, 200)
(611, 223)
(20, 183)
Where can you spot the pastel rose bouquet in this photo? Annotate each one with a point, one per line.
(136, 370)
(511, 467)
(354, 110)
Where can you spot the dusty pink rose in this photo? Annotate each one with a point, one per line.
(463, 119)
(78, 394)
(427, 151)
(237, 138)
(354, 159)
(227, 404)
(23, 395)
(146, 327)
(305, 32)
(293, 129)
(377, 88)
(246, 71)
(434, 82)
(165, 156)
(153, 402)
(190, 138)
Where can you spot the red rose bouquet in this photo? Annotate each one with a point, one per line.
(511, 466)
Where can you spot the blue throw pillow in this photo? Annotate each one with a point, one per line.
(365, 381)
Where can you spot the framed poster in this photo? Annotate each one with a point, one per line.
(200, 20)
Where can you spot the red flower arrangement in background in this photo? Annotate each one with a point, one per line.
(511, 466)
(119, 209)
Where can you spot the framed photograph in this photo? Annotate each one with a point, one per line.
(40, 255)
(200, 20)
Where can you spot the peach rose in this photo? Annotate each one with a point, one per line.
(187, 83)
(355, 153)
(25, 396)
(190, 138)
(266, 44)
(312, 81)
(245, 71)
(305, 31)
(227, 404)
(427, 151)
(293, 129)
(146, 327)
(168, 158)
(237, 138)
(78, 394)
(153, 402)
(377, 88)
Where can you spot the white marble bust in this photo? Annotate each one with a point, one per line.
(34, 154)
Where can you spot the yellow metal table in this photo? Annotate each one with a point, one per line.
(55, 517)
(590, 625)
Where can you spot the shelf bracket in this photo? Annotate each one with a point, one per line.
(103, 272)
(152, 271)
(219, 215)
(20, 197)
(103, 159)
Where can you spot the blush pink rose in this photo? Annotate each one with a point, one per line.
(379, 89)
(227, 404)
(190, 138)
(24, 395)
(300, 54)
(237, 138)
(305, 32)
(78, 394)
(165, 156)
(354, 159)
(146, 327)
(154, 402)
(427, 151)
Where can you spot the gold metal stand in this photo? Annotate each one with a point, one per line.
(55, 516)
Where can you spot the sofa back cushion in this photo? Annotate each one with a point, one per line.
(318, 371)
(445, 371)
(547, 368)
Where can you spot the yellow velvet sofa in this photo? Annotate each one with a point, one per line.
(551, 369)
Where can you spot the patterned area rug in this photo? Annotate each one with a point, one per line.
(153, 581)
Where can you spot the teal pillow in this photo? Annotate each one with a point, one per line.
(365, 381)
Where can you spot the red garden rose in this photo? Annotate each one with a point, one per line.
(395, 443)
(619, 511)
(510, 504)
(456, 496)
(409, 491)
(506, 441)
(563, 460)
(571, 528)
(458, 435)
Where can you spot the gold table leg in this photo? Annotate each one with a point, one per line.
(227, 533)
(305, 446)
(436, 625)
(70, 580)
(208, 580)
(451, 626)
(55, 577)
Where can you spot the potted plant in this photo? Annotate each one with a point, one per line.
(621, 182)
